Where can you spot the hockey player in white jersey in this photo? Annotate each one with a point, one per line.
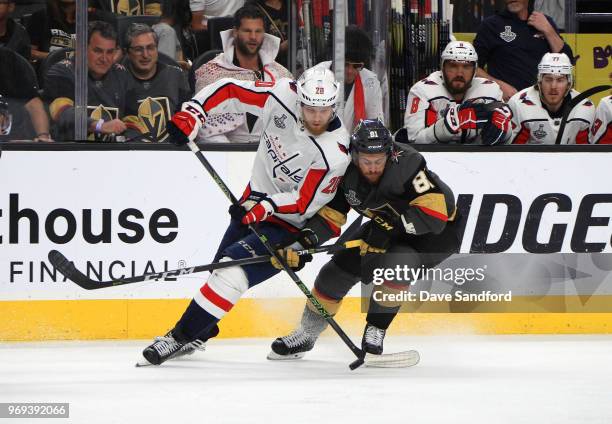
(537, 110)
(302, 155)
(601, 131)
(450, 104)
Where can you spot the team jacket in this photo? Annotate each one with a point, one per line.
(429, 99)
(297, 171)
(237, 127)
(150, 104)
(408, 190)
(533, 124)
(601, 132)
(105, 97)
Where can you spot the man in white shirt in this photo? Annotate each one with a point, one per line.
(248, 55)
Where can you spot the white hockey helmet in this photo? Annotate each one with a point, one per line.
(460, 51)
(556, 64)
(317, 86)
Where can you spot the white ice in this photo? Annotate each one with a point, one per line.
(471, 379)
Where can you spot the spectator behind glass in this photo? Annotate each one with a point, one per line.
(362, 92)
(277, 24)
(12, 35)
(23, 115)
(201, 11)
(168, 30)
(248, 55)
(537, 110)
(53, 28)
(156, 90)
(107, 85)
(107, 9)
(511, 43)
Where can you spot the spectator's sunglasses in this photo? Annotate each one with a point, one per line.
(358, 66)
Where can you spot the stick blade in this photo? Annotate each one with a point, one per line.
(67, 268)
(403, 359)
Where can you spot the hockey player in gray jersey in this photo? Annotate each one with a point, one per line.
(413, 222)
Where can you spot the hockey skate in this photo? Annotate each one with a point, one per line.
(301, 340)
(372, 341)
(162, 349)
(293, 346)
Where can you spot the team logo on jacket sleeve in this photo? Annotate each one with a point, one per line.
(508, 36)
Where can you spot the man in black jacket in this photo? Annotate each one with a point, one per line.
(511, 44)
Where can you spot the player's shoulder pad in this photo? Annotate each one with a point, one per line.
(484, 87)
(405, 161)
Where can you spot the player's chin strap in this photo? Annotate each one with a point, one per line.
(262, 238)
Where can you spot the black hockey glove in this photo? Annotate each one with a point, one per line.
(499, 125)
(377, 237)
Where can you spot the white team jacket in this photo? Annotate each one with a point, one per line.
(236, 127)
(372, 95)
(299, 172)
(428, 100)
(601, 132)
(532, 124)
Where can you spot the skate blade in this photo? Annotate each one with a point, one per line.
(273, 356)
(143, 363)
(403, 359)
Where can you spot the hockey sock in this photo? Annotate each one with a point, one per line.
(216, 297)
(382, 312)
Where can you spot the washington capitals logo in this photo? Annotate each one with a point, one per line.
(280, 121)
(508, 36)
(540, 133)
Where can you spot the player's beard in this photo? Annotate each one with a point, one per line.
(454, 91)
(244, 48)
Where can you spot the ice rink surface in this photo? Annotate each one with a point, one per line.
(471, 379)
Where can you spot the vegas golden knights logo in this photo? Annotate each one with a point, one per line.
(128, 7)
(154, 113)
(102, 112)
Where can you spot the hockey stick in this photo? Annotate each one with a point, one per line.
(573, 103)
(262, 238)
(70, 271)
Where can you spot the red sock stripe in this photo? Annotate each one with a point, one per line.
(214, 298)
